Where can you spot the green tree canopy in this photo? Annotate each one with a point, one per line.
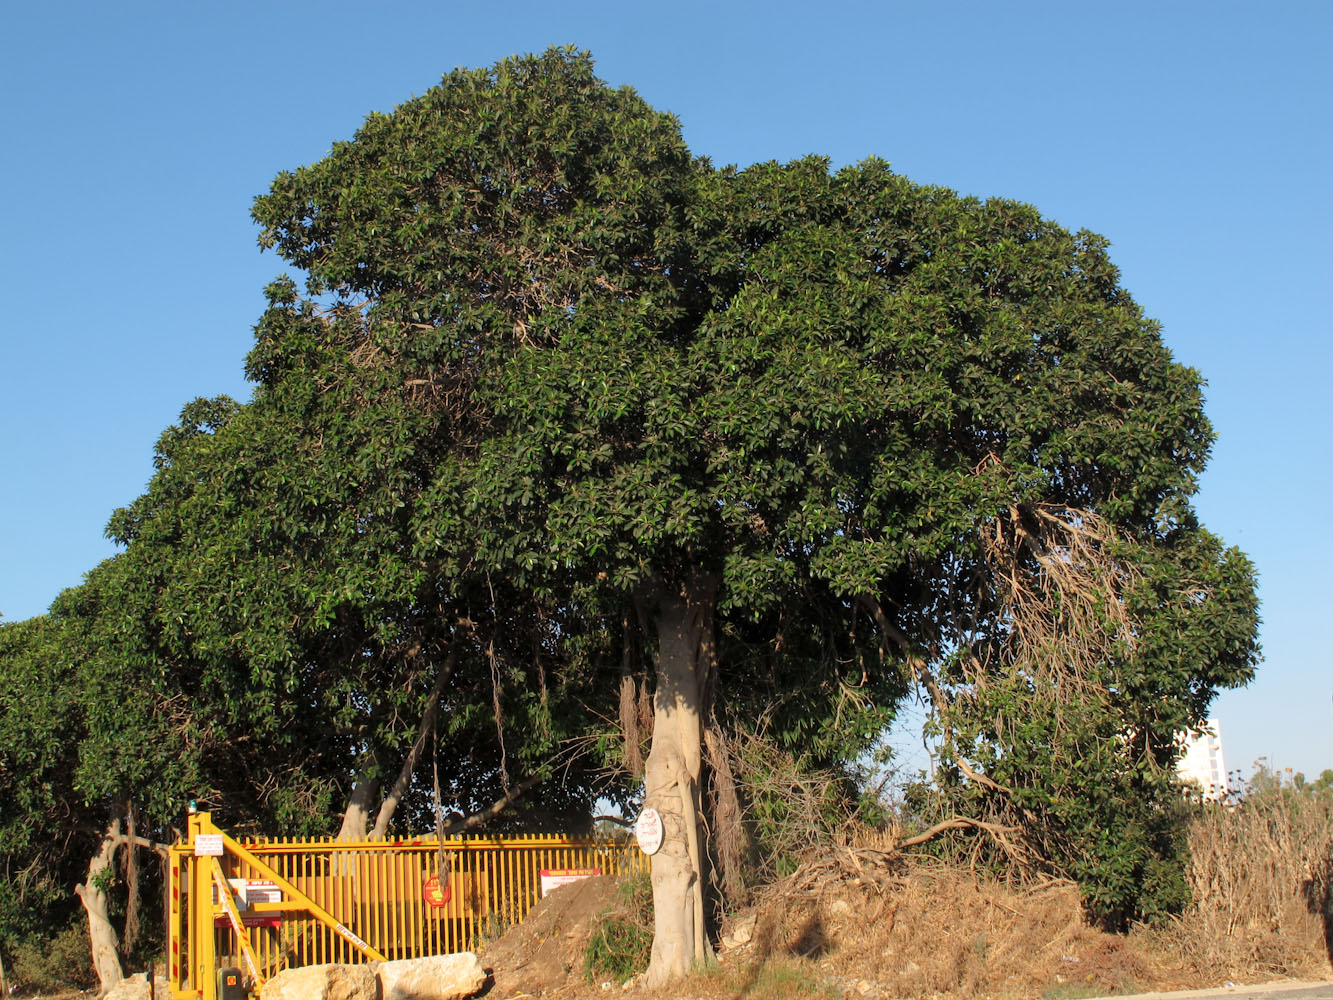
(928, 438)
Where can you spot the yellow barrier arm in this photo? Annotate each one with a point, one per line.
(306, 903)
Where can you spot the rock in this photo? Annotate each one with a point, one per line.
(133, 988)
(437, 977)
(743, 930)
(322, 982)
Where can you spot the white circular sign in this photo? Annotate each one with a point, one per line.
(648, 831)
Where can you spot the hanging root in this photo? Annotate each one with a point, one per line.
(131, 863)
(629, 726)
(1062, 585)
(728, 825)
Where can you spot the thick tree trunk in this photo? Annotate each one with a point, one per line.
(101, 935)
(364, 797)
(684, 623)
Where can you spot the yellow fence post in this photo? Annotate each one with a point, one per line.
(175, 970)
(203, 958)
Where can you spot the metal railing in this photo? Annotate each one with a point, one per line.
(266, 905)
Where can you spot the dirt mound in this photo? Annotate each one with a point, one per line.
(546, 950)
(890, 930)
(922, 931)
(864, 924)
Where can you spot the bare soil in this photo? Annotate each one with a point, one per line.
(544, 953)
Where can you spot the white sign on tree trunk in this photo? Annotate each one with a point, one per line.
(648, 831)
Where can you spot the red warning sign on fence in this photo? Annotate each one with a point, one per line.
(434, 893)
(245, 893)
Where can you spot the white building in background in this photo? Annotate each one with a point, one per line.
(1203, 763)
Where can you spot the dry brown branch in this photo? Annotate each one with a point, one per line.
(1061, 587)
(956, 823)
(981, 779)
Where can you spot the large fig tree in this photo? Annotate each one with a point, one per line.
(927, 441)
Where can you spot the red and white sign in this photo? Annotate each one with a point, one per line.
(553, 877)
(246, 892)
(648, 831)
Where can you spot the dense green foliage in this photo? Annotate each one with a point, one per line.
(545, 360)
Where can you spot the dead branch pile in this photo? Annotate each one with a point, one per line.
(909, 926)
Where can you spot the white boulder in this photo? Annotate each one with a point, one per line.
(322, 982)
(436, 977)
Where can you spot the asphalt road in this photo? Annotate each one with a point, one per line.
(1265, 991)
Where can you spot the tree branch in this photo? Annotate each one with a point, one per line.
(400, 786)
(956, 823)
(981, 779)
(494, 809)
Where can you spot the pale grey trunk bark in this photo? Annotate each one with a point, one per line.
(356, 820)
(684, 624)
(101, 935)
(365, 794)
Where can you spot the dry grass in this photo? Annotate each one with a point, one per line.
(1261, 876)
(918, 929)
(862, 919)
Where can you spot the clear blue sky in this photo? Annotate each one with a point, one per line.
(1195, 135)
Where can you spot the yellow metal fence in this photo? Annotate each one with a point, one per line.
(266, 905)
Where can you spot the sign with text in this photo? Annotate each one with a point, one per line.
(208, 845)
(553, 877)
(247, 892)
(435, 893)
(648, 831)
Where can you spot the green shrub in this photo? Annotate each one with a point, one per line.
(622, 936)
(62, 961)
